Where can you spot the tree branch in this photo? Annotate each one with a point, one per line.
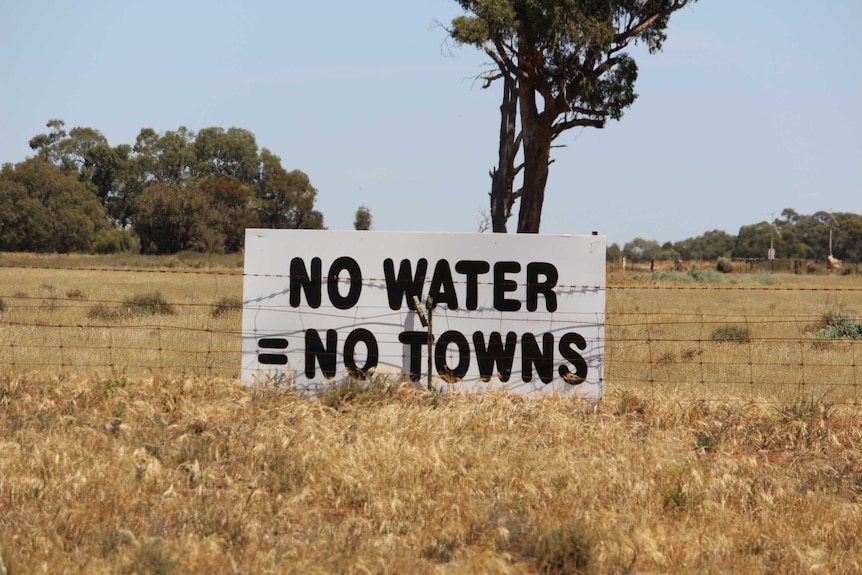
(561, 127)
(622, 38)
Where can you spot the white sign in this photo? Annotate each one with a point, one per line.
(518, 312)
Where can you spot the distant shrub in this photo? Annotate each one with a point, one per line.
(152, 303)
(105, 313)
(112, 241)
(724, 265)
(707, 275)
(839, 327)
(226, 305)
(560, 550)
(356, 390)
(731, 333)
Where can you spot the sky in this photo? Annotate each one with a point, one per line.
(752, 107)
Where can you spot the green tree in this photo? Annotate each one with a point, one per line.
(229, 211)
(641, 250)
(67, 151)
(710, 246)
(563, 65)
(165, 158)
(44, 210)
(362, 218)
(45, 144)
(169, 218)
(232, 153)
(286, 198)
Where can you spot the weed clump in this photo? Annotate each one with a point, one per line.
(151, 303)
(805, 409)
(560, 550)
(226, 305)
(75, 293)
(731, 333)
(103, 312)
(356, 390)
(840, 327)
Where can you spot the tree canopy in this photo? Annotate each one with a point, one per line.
(793, 236)
(563, 64)
(175, 190)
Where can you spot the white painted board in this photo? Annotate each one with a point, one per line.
(517, 312)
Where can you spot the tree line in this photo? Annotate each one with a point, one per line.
(168, 192)
(792, 236)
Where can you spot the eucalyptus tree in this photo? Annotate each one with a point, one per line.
(362, 219)
(563, 64)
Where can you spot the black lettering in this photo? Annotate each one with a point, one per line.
(415, 339)
(406, 285)
(460, 370)
(314, 350)
(543, 358)
(442, 288)
(310, 284)
(272, 343)
(472, 269)
(573, 357)
(545, 287)
(496, 352)
(272, 359)
(349, 265)
(372, 354)
(503, 285)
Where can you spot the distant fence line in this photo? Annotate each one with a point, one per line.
(731, 352)
(745, 265)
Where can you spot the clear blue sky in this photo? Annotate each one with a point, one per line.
(753, 106)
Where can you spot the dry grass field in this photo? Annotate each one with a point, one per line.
(127, 444)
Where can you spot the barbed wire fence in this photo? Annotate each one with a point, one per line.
(749, 342)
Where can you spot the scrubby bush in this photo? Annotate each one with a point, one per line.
(103, 312)
(724, 265)
(152, 303)
(75, 293)
(560, 550)
(226, 305)
(731, 333)
(840, 326)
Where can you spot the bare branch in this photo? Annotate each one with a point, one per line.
(489, 79)
(561, 127)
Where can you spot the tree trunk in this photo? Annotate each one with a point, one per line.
(503, 176)
(536, 131)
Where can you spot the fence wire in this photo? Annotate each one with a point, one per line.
(742, 341)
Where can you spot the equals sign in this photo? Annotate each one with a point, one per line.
(272, 358)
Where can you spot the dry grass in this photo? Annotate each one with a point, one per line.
(704, 456)
(93, 317)
(190, 475)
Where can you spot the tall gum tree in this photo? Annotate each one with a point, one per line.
(563, 65)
